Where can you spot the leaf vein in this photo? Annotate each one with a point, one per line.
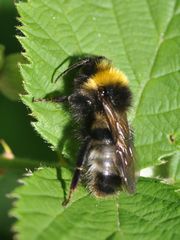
(151, 69)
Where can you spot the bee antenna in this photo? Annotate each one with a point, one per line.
(74, 66)
(55, 70)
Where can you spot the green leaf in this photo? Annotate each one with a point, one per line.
(18, 163)
(141, 38)
(169, 170)
(174, 167)
(11, 79)
(152, 213)
(8, 181)
(1, 56)
(24, 163)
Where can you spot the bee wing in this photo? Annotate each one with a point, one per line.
(124, 162)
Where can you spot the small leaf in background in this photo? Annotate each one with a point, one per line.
(7, 152)
(10, 78)
(152, 213)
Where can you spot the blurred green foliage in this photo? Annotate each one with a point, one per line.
(15, 123)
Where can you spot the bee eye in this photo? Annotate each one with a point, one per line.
(103, 92)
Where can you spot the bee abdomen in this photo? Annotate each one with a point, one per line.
(100, 173)
(106, 184)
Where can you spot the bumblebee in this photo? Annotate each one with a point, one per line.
(99, 101)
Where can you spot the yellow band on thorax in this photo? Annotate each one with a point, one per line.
(105, 77)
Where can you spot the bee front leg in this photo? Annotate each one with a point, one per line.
(60, 99)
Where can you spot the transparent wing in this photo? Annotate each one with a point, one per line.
(122, 136)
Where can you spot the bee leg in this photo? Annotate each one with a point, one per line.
(73, 185)
(60, 99)
(77, 172)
